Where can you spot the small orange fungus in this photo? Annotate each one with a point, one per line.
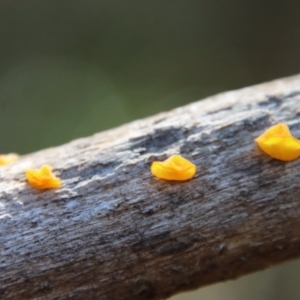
(174, 168)
(278, 142)
(43, 178)
(6, 159)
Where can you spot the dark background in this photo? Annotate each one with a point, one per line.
(72, 68)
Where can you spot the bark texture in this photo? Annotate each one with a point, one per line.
(113, 231)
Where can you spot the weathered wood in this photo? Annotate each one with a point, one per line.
(115, 232)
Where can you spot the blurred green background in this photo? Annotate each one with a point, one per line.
(72, 68)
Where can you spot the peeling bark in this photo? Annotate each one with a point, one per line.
(113, 231)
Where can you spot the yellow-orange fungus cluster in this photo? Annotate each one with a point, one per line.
(278, 142)
(174, 168)
(6, 159)
(43, 178)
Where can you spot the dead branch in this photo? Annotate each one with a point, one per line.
(113, 231)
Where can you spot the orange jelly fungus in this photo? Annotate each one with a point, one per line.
(6, 159)
(278, 142)
(174, 168)
(43, 178)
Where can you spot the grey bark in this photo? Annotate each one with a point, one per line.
(113, 231)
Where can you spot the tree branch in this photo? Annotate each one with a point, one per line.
(113, 231)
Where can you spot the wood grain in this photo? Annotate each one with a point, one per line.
(113, 231)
